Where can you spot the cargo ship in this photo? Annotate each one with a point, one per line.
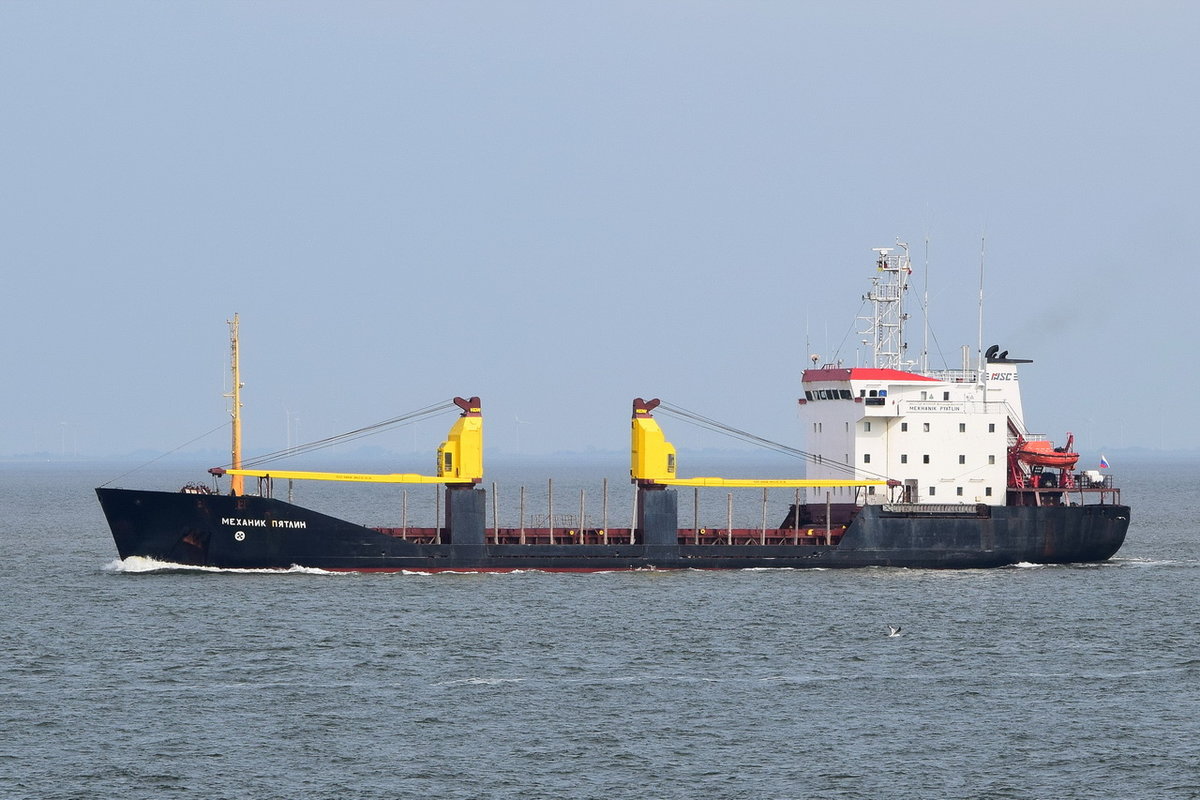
(907, 467)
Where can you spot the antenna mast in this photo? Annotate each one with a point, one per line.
(887, 300)
(925, 313)
(979, 353)
(235, 481)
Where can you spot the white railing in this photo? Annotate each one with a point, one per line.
(933, 508)
(954, 375)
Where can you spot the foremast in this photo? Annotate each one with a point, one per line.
(236, 486)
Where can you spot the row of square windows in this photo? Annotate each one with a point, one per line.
(925, 459)
(958, 491)
(819, 427)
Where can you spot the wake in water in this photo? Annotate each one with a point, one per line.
(1159, 562)
(142, 564)
(1109, 564)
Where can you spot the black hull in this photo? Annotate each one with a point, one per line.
(262, 533)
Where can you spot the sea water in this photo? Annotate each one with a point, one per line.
(125, 679)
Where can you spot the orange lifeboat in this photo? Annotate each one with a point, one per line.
(1045, 454)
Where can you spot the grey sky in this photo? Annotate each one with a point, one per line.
(560, 206)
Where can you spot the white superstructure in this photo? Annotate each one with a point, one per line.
(944, 434)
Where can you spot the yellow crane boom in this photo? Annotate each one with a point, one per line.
(652, 461)
(459, 458)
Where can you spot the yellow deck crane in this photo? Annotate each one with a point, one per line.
(459, 458)
(653, 463)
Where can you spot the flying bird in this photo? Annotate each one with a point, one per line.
(893, 630)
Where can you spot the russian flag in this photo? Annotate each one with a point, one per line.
(1103, 462)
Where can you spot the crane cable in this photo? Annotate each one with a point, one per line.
(370, 430)
(701, 421)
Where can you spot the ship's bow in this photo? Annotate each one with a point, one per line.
(166, 526)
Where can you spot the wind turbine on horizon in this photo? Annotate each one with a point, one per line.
(518, 423)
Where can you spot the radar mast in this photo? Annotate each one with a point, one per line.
(886, 323)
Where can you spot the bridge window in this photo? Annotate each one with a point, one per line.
(904, 427)
(991, 427)
(925, 426)
(958, 491)
(991, 459)
(925, 459)
(904, 458)
(962, 459)
(867, 426)
(962, 427)
(866, 458)
(932, 491)
(987, 491)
